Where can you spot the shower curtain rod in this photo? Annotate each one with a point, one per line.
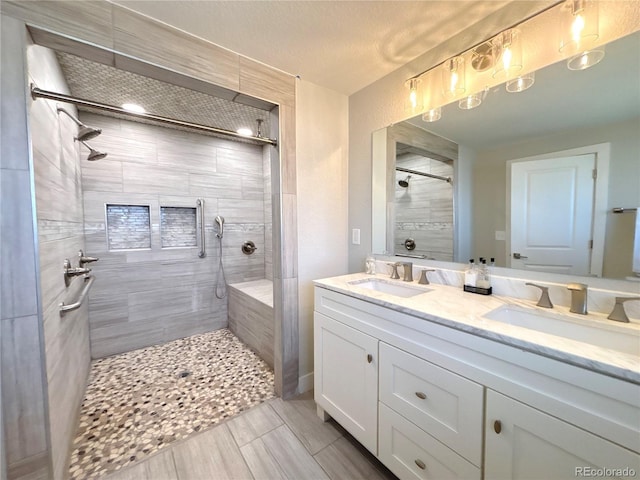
(61, 97)
(430, 175)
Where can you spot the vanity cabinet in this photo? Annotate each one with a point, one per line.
(522, 442)
(432, 401)
(346, 378)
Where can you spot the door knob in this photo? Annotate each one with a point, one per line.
(517, 256)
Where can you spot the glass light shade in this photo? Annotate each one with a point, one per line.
(521, 83)
(414, 99)
(432, 115)
(579, 27)
(471, 101)
(586, 59)
(509, 51)
(453, 77)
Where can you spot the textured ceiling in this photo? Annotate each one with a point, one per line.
(341, 45)
(104, 84)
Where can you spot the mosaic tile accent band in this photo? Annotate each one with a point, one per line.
(138, 402)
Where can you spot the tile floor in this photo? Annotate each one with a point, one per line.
(275, 440)
(139, 402)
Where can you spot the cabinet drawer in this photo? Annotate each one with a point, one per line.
(412, 454)
(443, 404)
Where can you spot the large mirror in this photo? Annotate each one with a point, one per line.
(538, 177)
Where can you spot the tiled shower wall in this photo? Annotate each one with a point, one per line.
(424, 210)
(152, 295)
(58, 185)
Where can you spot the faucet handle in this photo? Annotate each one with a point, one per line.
(424, 280)
(394, 272)
(618, 313)
(544, 300)
(82, 259)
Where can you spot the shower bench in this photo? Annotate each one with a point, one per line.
(251, 316)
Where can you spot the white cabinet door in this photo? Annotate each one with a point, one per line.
(346, 378)
(527, 443)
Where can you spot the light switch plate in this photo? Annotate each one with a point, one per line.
(501, 235)
(355, 236)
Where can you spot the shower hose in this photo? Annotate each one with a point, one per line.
(221, 281)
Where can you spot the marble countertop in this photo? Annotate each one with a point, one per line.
(452, 307)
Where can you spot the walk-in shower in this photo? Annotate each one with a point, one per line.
(160, 285)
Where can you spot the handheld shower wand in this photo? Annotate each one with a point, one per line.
(221, 281)
(220, 221)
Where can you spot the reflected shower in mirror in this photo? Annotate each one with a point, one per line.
(566, 113)
(423, 204)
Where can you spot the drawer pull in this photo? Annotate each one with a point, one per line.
(369, 358)
(497, 426)
(422, 396)
(421, 465)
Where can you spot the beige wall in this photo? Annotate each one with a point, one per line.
(322, 132)
(489, 191)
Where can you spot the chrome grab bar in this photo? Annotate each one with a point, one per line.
(89, 279)
(203, 251)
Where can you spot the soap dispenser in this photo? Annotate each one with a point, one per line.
(471, 274)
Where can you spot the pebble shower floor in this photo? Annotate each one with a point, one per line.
(140, 401)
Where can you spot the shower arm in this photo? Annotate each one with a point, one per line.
(430, 175)
(61, 97)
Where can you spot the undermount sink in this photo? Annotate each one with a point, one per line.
(624, 338)
(381, 285)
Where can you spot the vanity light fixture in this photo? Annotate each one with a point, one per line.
(579, 29)
(453, 77)
(509, 50)
(432, 115)
(133, 108)
(414, 102)
(521, 83)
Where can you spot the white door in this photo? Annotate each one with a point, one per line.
(522, 442)
(346, 378)
(552, 214)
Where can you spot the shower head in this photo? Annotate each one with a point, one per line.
(87, 133)
(93, 154)
(84, 132)
(404, 183)
(220, 222)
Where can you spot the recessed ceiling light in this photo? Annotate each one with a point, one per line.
(132, 107)
(244, 131)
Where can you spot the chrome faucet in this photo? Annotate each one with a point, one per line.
(544, 301)
(70, 272)
(578, 298)
(618, 314)
(82, 259)
(407, 269)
